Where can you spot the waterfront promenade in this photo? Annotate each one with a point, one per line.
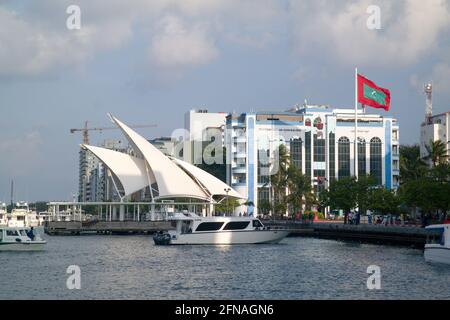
(380, 234)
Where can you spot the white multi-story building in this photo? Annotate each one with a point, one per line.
(320, 142)
(435, 127)
(202, 127)
(94, 178)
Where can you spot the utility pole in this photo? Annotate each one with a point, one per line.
(228, 202)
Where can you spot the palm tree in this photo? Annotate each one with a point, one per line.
(412, 167)
(279, 180)
(437, 152)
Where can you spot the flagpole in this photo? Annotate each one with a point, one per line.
(356, 124)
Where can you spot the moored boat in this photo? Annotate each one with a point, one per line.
(193, 229)
(3, 214)
(437, 248)
(17, 239)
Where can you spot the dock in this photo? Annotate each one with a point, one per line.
(104, 227)
(366, 233)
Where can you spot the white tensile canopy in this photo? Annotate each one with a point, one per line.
(174, 178)
(211, 183)
(129, 170)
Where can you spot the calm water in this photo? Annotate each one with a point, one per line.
(131, 267)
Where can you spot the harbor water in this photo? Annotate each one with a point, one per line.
(132, 267)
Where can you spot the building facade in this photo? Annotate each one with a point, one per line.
(435, 127)
(202, 128)
(320, 142)
(94, 178)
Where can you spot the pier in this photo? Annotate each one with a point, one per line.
(367, 233)
(104, 227)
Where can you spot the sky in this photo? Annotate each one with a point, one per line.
(150, 61)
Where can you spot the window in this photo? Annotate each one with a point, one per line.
(395, 165)
(257, 224)
(263, 194)
(343, 157)
(331, 142)
(319, 149)
(394, 135)
(436, 236)
(375, 159)
(236, 225)
(209, 226)
(12, 233)
(296, 153)
(361, 157)
(308, 153)
(263, 166)
(395, 150)
(320, 176)
(1, 235)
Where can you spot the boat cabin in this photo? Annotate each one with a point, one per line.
(10, 234)
(438, 234)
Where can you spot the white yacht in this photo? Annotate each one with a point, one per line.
(437, 248)
(21, 216)
(16, 239)
(3, 214)
(193, 229)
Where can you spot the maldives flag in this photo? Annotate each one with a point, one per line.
(371, 95)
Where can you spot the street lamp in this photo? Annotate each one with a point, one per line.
(227, 190)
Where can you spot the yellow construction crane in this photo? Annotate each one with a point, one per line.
(86, 130)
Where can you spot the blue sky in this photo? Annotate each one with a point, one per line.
(151, 61)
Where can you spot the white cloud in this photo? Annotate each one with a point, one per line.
(410, 30)
(30, 49)
(190, 33)
(177, 45)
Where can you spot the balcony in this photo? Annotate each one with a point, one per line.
(240, 139)
(239, 169)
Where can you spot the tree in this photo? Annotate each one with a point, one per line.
(342, 194)
(384, 201)
(363, 188)
(279, 180)
(437, 152)
(300, 190)
(227, 206)
(412, 166)
(264, 207)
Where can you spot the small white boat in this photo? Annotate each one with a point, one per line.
(193, 229)
(17, 239)
(437, 248)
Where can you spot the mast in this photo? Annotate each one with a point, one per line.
(12, 193)
(356, 124)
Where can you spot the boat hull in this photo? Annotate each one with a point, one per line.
(22, 246)
(437, 254)
(231, 237)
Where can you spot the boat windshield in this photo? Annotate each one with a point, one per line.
(23, 232)
(257, 224)
(436, 236)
